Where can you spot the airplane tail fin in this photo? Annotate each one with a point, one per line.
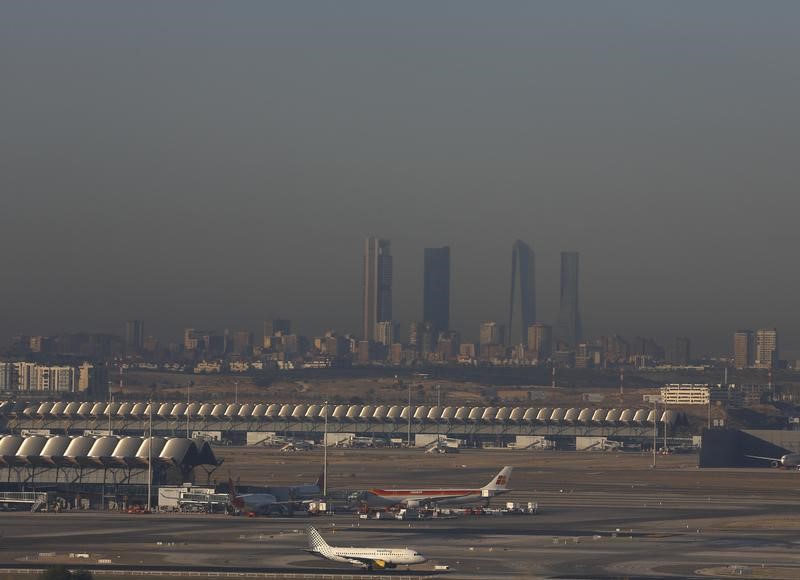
(233, 497)
(316, 542)
(500, 481)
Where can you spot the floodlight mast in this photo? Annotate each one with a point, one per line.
(655, 431)
(150, 454)
(325, 456)
(408, 440)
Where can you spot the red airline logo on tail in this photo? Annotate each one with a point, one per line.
(501, 480)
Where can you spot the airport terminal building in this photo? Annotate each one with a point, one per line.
(252, 422)
(107, 471)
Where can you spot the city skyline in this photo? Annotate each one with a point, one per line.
(377, 280)
(222, 173)
(376, 290)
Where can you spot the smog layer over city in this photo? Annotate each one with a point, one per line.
(459, 289)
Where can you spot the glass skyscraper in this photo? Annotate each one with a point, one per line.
(436, 289)
(569, 329)
(377, 288)
(522, 260)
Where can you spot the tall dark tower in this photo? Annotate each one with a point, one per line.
(569, 329)
(522, 260)
(436, 289)
(134, 335)
(377, 289)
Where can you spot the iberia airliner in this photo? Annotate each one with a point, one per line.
(453, 496)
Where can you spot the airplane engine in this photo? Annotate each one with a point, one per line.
(775, 463)
(413, 504)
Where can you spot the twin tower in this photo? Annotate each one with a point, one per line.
(568, 330)
(377, 291)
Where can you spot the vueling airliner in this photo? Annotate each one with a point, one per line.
(368, 558)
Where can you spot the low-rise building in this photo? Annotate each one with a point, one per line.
(686, 394)
(205, 366)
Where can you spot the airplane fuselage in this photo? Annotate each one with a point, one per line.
(390, 497)
(256, 503)
(790, 460)
(382, 557)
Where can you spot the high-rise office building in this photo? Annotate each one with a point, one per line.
(151, 344)
(386, 332)
(242, 342)
(277, 326)
(766, 348)
(522, 260)
(25, 375)
(54, 378)
(41, 344)
(681, 352)
(492, 341)
(492, 333)
(190, 339)
(421, 337)
(93, 380)
(436, 288)
(377, 286)
(569, 329)
(540, 341)
(743, 349)
(615, 349)
(8, 376)
(134, 335)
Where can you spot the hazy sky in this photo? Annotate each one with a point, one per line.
(213, 164)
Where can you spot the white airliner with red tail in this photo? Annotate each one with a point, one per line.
(448, 496)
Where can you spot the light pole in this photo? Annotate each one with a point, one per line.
(438, 410)
(655, 431)
(150, 454)
(325, 455)
(188, 386)
(110, 400)
(236, 391)
(408, 440)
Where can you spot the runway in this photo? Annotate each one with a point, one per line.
(600, 516)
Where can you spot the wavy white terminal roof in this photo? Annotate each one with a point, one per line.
(107, 451)
(283, 412)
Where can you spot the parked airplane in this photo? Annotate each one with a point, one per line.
(414, 498)
(310, 491)
(275, 500)
(788, 461)
(298, 492)
(368, 558)
(258, 504)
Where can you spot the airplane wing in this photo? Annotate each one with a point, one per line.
(366, 562)
(766, 458)
(360, 562)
